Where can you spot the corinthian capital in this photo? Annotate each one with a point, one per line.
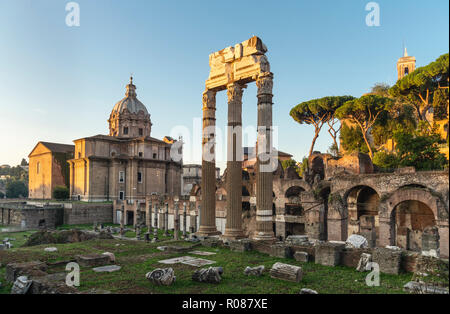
(264, 83)
(234, 92)
(209, 99)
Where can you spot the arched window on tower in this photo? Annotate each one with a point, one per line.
(406, 70)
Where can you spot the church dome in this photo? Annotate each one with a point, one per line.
(130, 102)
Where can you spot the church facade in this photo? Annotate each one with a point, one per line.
(128, 164)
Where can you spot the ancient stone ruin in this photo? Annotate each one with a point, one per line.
(231, 69)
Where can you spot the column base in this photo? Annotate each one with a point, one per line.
(207, 231)
(233, 234)
(263, 236)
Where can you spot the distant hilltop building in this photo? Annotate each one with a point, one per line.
(405, 65)
(126, 165)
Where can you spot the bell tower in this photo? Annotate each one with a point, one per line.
(405, 65)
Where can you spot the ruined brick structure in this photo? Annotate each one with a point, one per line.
(405, 208)
(37, 214)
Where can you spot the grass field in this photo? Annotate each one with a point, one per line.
(137, 258)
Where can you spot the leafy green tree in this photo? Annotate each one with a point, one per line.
(317, 112)
(24, 162)
(60, 193)
(400, 118)
(419, 150)
(440, 104)
(291, 163)
(418, 87)
(380, 89)
(385, 160)
(15, 189)
(302, 166)
(364, 112)
(333, 150)
(288, 163)
(352, 139)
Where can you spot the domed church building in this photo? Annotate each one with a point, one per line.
(128, 164)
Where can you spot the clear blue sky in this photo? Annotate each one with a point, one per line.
(60, 83)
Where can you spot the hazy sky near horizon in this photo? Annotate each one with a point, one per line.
(60, 83)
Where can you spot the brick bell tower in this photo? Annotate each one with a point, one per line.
(405, 65)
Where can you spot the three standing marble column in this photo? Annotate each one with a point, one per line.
(264, 164)
(264, 167)
(233, 227)
(208, 186)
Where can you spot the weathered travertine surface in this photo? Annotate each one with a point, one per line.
(232, 68)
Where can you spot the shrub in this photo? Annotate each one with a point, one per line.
(60, 193)
(385, 160)
(15, 189)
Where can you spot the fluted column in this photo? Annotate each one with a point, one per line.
(166, 221)
(264, 171)
(148, 214)
(155, 230)
(233, 227)
(176, 221)
(208, 215)
(184, 220)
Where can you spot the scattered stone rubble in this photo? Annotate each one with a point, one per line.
(329, 253)
(108, 268)
(162, 276)
(21, 285)
(280, 249)
(388, 259)
(286, 272)
(112, 257)
(15, 270)
(421, 287)
(208, 275)
(32, 278)
(242, 245)
(254, 271)
(64, 236)
(308, 291)
(297, 240)
(93, 260)
(363, 264)
(300, 256)
(356, 241)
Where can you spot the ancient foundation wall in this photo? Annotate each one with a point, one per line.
(30, 217)
(348, 257)
(81, 213)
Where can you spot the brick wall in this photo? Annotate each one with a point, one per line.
(29, 216)
(88, 213)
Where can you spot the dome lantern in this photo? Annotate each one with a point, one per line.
(129, 117)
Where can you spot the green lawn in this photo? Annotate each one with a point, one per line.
(127, 234)
(19, 237)
(137, 258)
